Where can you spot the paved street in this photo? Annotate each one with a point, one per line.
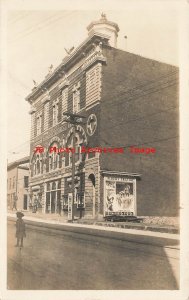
(66, 261)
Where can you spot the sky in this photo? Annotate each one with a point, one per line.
(36, 39)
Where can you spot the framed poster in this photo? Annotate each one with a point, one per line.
(120, 197)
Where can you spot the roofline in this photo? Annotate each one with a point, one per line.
(18, 162)
(65, 63)
(89, 27)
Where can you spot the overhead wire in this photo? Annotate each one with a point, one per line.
(43, 26)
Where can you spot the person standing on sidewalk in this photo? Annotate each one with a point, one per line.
(20, 229)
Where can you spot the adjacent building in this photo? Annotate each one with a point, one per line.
(127, 101)
(18, 184)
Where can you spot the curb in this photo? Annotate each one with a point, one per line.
(128, 225)
(119, 234)
(162, 229)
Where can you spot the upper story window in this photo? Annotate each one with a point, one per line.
(26, 180)
(36, 167)
(93, 84)
(46, 115)
(64, 100)
(39, 124)
(76, 98)
(55, 113)
(54, 158)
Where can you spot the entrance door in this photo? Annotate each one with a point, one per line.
(92, 191)
(53, 202)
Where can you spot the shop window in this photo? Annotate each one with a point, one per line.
(65, 202)
(53, 197)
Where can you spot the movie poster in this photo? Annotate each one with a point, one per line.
(120, 197)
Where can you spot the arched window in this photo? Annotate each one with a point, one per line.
(54, 157)
(48, 186)
(36, 164)
(54, 185)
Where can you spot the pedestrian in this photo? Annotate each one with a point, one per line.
(20, 229)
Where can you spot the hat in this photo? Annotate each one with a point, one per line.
(20, 214)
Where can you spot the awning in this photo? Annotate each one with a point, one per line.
(106, 172)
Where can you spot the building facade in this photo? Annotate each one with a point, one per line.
(18, 184)
(130, 104)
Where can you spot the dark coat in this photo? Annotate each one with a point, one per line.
(20, 229)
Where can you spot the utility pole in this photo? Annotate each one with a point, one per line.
(74, 120)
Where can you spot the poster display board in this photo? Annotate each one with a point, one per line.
(119, 196)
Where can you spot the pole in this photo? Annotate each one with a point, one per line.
(73, 119)
(73, 173)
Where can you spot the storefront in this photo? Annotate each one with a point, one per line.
(53, 197)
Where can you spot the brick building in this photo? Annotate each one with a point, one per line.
(127, 100)
(18, 184)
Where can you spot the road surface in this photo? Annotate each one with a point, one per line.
(71, 261)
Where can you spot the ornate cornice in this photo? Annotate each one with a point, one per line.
(66, 64)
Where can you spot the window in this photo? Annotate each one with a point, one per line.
(54, 158)
(53, 197)
(55, 113)
(13, 182)
(93, 84)
(26, 181)
(39, 124)
(36, 167)
(76, 98)
(46, 115)
(64, 100)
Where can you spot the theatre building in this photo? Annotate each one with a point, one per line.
(129, 102)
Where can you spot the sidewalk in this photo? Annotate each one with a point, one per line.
(57, 219)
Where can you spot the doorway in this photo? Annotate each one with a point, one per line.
(92, 191)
